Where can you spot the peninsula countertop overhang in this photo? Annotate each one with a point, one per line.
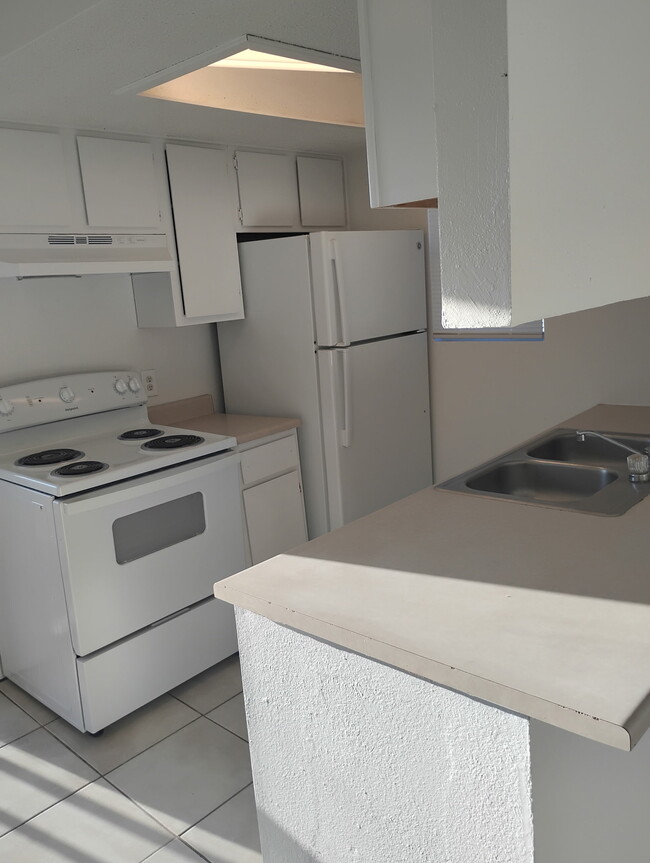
(542, 611)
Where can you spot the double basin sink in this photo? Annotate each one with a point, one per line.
(559, 470)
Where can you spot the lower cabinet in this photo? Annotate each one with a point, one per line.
(272, 496)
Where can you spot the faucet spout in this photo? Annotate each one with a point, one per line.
(638, 463)
(581, 435)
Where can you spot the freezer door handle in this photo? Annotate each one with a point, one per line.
(345, 434)
(340, 297)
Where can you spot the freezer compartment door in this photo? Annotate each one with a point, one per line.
(367, 284)
(376, 429)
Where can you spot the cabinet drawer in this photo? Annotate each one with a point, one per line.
(268, 459)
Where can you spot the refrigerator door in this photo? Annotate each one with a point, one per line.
(376, 429)
(367, 284)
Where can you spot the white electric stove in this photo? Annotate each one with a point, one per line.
(112, 533)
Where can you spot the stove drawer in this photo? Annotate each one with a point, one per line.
(134, 553)
(122, 678)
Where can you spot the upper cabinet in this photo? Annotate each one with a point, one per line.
(321, 191)
(50, 181)
(579, 79)
(285, 191)
(191, 200)
(268, 193)
(119, 183)
(542, 143)
(33, 180)
(396, 41)
(470, 65)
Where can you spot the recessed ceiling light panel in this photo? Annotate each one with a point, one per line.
(258, 76)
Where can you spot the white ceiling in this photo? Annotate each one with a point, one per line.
(61, 62)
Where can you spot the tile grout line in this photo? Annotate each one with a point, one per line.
(103, 775)
(26, 734)
(209, 709)
(122, 793)
(146, 811)
(51, 806)
(177, 839)
(99, 775)
(165, 826)
(20, 707)
(234, 733)
(216, 808)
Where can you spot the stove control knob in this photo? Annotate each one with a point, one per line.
(66, 395)
(121, 386)
(134, 385)
(6, 407)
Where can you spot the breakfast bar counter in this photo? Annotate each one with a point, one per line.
(540, 610)
(401, 662)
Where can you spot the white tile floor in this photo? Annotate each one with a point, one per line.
(171, 783)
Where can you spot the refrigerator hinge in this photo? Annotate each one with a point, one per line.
(235, 162)
(240, 215)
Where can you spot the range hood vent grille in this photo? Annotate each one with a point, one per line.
(34, 255)
(80, 240)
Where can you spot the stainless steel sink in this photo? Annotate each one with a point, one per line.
(543, 482)
(557, 470)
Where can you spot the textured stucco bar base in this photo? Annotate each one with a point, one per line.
(356, 761)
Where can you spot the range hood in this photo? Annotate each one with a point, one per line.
(33, 255)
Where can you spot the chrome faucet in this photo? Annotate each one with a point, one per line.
(638, 463)
(581, 435)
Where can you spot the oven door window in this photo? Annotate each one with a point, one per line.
(150, 530)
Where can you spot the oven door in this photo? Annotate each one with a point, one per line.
(138, 551)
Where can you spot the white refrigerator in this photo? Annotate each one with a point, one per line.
(335, 334)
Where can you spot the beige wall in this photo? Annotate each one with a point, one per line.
(54, 326)
(488, 396)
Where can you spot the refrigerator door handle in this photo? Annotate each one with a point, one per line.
(340, 296)
(345, 433)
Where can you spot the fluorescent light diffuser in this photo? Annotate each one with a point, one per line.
(249, 59)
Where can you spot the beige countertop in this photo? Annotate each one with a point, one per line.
(539, 610)
(197, 414)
